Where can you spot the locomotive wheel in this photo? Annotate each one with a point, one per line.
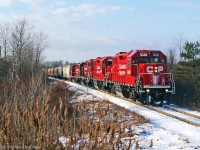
(135, 96)
(73, 80)
(113, 89)
(142, 98)
(126, 93)
(95, 85)
(167, 99)
(108, 88)
(85, 82)
(91, 84)
(146, 99)
(157, 98)
(100, 85)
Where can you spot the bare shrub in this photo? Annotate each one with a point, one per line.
(37, 116)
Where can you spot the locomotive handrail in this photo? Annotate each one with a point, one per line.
(170, 82)
(171, 77)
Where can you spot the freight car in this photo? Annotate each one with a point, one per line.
(138, 75)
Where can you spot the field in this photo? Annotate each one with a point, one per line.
(56, 116)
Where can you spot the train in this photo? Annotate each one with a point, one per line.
(137, 74)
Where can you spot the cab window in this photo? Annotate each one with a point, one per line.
(109, 62)
(163, 60)
(135, 61)
(153, 60)
(144, 60)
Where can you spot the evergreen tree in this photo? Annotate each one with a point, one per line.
(191, 69)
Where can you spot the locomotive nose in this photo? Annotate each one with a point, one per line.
(156, 79)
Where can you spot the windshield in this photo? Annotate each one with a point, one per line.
(135, 61)
(163, 60)
(153, 60)
(144, 60)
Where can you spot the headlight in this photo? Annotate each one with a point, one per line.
(166, 90)
(148, 90)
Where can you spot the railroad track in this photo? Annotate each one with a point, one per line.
(179, 115)
(183, 116)
(181, 111)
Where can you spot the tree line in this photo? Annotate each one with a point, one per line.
(21, 49)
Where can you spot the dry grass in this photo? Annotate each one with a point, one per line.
(37, 119)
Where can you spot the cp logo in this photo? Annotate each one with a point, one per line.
(157, 69)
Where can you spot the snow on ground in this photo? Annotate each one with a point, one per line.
(162, 131)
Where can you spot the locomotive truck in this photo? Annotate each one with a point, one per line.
(138, 74)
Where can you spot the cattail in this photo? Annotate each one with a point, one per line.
(32, 105)
(66, 111)
(151, 144)
(97, 127)
(79, 108)
(25, 113)
(31, 121)
(129, 144)
(107, 109)
(83, 104)
(47, 99)
(46, 109)
(5, 108)
(54, 111)
(38, 105)
(61, 103)
(93, 107)
(112, 130)
(17, 77)
(137, 145)
(20, 92)
(16, 106)
(118, 141)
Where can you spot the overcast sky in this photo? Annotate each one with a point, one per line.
(82, 29)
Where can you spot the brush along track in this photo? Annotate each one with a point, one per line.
(156, 109)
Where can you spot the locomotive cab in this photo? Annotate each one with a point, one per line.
(153, 82)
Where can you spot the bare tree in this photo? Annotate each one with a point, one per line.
(179, 41)
(5, 48)
(4, 39)
(21, 42)
(40, 45)
(172, 58)
(27, 46)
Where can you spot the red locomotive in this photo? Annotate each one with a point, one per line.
(138, 74)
